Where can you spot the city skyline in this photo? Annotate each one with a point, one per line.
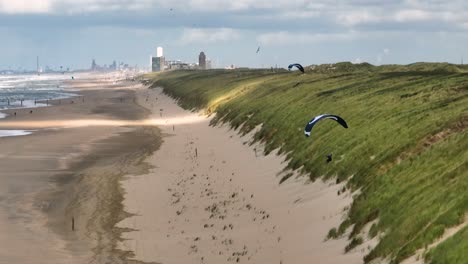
(71, 33)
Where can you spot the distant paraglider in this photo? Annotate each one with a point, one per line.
(258, 49)
(297, 65)
(314, 121)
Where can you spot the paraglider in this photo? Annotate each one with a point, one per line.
(297, 65)
(314, 121)
(258, 49)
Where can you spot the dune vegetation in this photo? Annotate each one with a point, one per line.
(404, 155)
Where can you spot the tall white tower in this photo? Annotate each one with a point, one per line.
(159, 52)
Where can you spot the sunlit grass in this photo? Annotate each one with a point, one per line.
(405, 147)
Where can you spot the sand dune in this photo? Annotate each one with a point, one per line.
(211, 198)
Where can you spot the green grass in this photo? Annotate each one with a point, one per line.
(444, 252)
(405, 148)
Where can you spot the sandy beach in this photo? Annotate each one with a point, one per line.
(60, 174)
(212, 198)
(89, 193)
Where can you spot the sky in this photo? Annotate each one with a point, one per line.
(73, 32)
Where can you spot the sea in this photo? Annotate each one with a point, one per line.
(30, 90)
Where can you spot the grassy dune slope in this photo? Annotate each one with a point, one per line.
(405, 148)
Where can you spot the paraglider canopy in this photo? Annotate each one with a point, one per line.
(314, 121)
(297, 65)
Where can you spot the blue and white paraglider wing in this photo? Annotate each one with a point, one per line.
(297, 65)
(311, 124)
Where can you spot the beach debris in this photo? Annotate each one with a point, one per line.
(329, 158)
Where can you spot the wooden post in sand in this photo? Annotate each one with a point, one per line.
(73, 223)
(196, 152)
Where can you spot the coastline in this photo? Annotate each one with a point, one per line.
(205, 196)
(58, 174)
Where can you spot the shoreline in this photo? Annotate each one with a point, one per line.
(57, 174)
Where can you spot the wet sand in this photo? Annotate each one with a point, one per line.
(58, 175)
(212, 198)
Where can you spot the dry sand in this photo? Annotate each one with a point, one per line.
(212, 198)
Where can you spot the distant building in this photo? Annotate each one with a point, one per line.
(202, 61)
(158, 63)
(93, 65)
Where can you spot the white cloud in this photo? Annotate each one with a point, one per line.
(288, 15)
(24, 6)
(254, 14)
(199, 35)
(187, 6)
(283, 37)
(358, 17)
(357, 61)
(413, 15)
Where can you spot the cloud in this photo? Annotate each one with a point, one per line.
(386, 51)
(308, 20)
(24, 6)
(199, 35)
(359, 17)
(413, 15)
(286, 38)
(87, 6)
(357, 61)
